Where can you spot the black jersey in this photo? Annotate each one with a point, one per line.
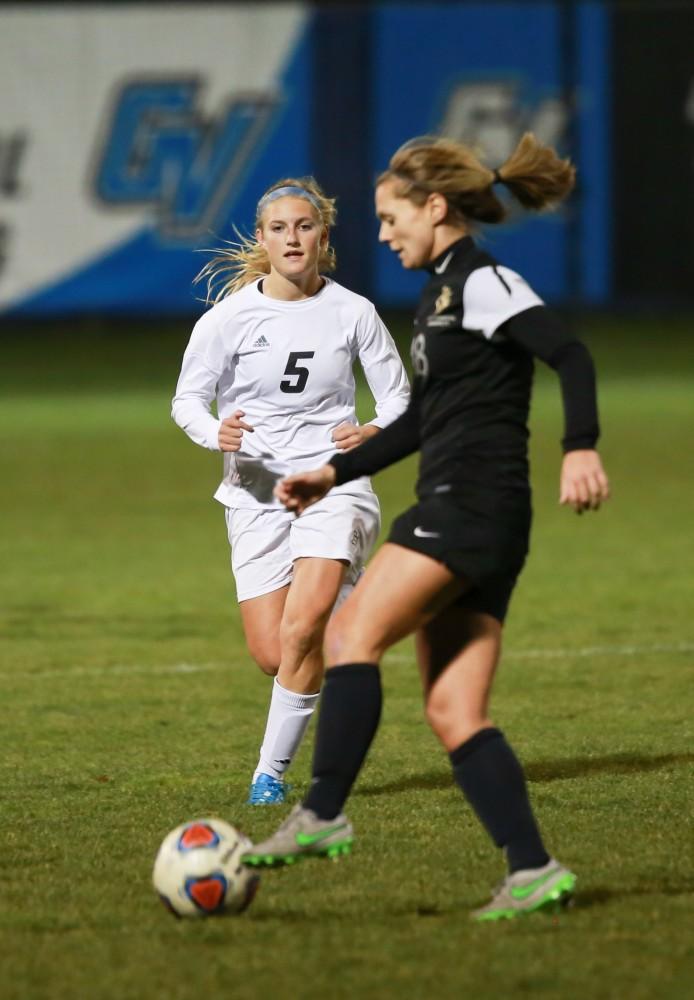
(477, 329)
(472, 381)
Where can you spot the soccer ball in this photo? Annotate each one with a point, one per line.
(198, 870)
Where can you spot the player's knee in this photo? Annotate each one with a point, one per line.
(266, 655)
(453, 723)
(440, 714)
(435, 714)
(268, 668)
(301, 633)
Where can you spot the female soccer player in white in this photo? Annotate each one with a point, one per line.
(276, 352)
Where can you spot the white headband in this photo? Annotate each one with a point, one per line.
(282, 192)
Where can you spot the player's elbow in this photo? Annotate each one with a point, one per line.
(176, 410)
(573, 356)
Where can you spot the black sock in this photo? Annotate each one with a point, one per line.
(349, 715)
(492, 780)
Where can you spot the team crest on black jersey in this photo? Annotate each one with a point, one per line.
(441, 317)
(444, 299)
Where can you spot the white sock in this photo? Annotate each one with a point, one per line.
(287, 719)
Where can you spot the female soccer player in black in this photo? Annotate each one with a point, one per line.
(451, 562)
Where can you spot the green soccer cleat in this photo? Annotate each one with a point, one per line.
(533, 890)
(302, 835)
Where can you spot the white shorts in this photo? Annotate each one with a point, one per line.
(265, 543)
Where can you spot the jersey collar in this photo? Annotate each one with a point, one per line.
(441, 263)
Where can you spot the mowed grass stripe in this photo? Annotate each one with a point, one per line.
(199, 668)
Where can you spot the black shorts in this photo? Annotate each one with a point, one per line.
(483, 542)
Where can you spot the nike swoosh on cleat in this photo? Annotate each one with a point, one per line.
(307, 839)
(523, 891)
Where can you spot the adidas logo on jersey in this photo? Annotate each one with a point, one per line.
(262, 341)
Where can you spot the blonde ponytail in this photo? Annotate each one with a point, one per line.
(233, 266)
(533, 174)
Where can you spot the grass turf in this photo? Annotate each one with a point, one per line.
(129, 705)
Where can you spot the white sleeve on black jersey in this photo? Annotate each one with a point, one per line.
(492, 295)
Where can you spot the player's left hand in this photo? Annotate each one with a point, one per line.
(347, 436)
(583, 483)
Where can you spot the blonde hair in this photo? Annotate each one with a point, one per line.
(237, 264)
(533, 173)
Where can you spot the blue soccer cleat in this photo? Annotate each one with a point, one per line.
(267, 791)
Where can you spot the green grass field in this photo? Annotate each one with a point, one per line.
(129, 705)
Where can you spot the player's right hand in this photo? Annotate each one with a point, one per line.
(299, 491)
(231, 432)
(583, 483)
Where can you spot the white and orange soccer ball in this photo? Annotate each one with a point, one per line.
(198, 870)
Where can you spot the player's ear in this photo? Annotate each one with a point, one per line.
(259, 236)
(438, 208)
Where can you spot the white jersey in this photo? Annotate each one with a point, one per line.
(288, 366)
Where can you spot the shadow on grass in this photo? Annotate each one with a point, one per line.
(541, 771)
(426, 781)
(615, 763)
(602, 894)
(584, 900)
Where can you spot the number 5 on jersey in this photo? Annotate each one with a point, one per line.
(299, 372)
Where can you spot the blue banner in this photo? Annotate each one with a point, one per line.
(163, 135)
(485, 73)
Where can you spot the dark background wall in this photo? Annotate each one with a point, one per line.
(653, 80)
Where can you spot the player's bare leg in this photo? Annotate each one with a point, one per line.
(401, 589)
(309, 603)
(399, 592)
(457, 653)
(398, 588)
(261, 618)
(304, 610)
(284, 629)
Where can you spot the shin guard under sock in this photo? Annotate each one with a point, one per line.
(287, 721)
(349, 716)
(492, 780)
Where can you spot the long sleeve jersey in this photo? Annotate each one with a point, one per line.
(289, 367)
(477, 330)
